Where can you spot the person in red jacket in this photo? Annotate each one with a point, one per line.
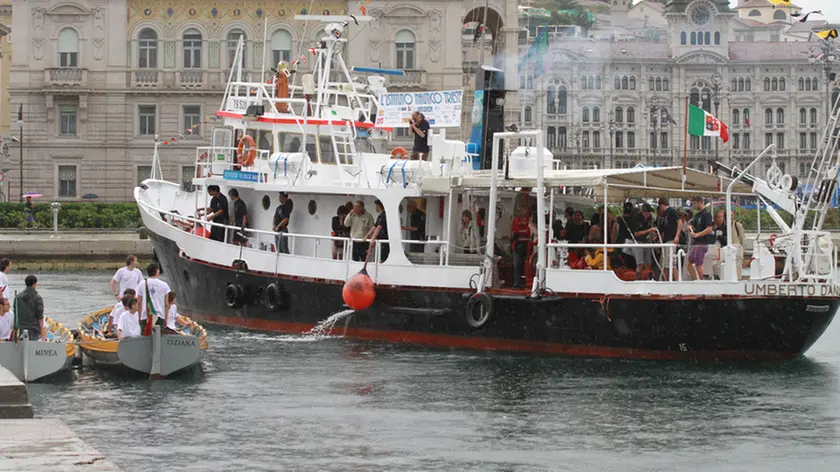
(520, 235)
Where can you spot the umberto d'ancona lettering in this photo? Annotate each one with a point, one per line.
(792, 290)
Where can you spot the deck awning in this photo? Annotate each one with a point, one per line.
(621, 183)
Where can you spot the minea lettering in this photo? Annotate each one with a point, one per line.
(46, 353)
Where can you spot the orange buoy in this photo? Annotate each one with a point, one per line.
(358, 292)
(201, 232)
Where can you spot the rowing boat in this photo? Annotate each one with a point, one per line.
(159, 355)
(31, 359)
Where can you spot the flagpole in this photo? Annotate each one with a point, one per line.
(685, 144)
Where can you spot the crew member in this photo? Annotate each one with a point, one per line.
(240, 217)
(129, 326)
(30, 309)
(520, 234)
(420, 128)
(218, 213)
(119, 309)
(128, 277)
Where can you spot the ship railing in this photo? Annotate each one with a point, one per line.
(558, 255)
(215, 160)
(818, 264)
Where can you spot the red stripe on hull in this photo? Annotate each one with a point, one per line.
(496, 344)
(291, 121)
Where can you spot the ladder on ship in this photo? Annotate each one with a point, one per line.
(343, 137)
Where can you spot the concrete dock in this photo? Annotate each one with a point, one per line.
(72, 250)
(39, 444)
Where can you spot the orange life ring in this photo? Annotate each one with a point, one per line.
(246, 158)
(399, 153)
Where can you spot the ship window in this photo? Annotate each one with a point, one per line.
(326, 150)
(266, 202)
(313, 207)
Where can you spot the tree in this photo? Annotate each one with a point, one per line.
(563, 12)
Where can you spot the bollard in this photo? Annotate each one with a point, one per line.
(56, 206)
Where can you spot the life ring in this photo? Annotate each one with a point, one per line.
(273, 299)
(773, 239)
(233, 295)
(199, 168)
(246, 158)
(479, 309)
(399, 153)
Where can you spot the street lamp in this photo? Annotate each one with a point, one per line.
(20, 142)
(718, 92)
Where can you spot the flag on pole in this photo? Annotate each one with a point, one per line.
(15, 325)
(151, 314)
(701, 123)
(536, 52)
(832, 33)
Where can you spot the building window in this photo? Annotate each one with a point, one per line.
(748, 85)
(619, 115)
(147, 115)
(583, 83)
(708, 38)
(658, 84)
(693, 38)
(780, 116)
(67, 120)
(768, 139)
(596, 114)
(694, 143)
(814, 84)
(597, 82)
(746, 142)
(734, 86)
(631, 115)
(143, 173)
(551, 100)
(803, 140)
(528, 114)
(625, 83)
(232, 42)
(754, 13)
(803, 116)
(736, 117)
(67, 181)
(779, 15)
(802, 84)
(663, 140)
(586, 139)
(551, 137)
(562, 99)
(590, 82)
(585, 115)
(813, 140)
(192, 119)
(780, 140)
(192, 49)
(781, 84)
(631, 140)
(813, 115)
(596, 139)
(767, 84)
(617, 83)
(68, 48)
(775, 83)
(650, 83)
(747, 117)
(682, 38)
(281, 46)
(717, 38)
(187, 174)
(632, 82)
(405, 49)
(619, 139)
(768, 116)
(665, 84)
(147, 49)
(803, 170)
(736, 141)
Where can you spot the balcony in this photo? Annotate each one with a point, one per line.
(145, 78)
(190, 78)
(411, 79)
(65, 77)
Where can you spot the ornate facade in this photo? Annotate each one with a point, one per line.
(604, 103)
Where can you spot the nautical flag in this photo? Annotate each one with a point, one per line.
(151, 314)
(701, 123)
(832, 33)
(780, 3)
(536, 52)
(666, 115)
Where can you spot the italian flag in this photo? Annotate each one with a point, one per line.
(701, 123)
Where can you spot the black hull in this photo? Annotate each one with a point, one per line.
(710, 328)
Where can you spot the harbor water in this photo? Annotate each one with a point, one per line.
(278, 402)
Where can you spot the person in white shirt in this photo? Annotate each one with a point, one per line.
(7, 320)
(172, 313)
(127, 277)
(157, 291)
(5, 265)
(129, 323)
(119, 309)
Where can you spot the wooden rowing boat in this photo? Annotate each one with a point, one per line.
(31, 359)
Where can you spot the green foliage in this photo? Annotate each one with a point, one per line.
(74, 215)
(564, 12)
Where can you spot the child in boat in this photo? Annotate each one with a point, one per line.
(173, 311)
(119, 309)
(7, 319)
(129, 325)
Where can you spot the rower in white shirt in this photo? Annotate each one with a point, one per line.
(5, 265)
(157, 293)
(119, 309)
(172, 314)
(127, 277)
(7, 320)
(129, 321)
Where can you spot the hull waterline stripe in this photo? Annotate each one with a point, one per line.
(291, 121)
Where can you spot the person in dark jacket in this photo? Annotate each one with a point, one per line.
(30, 309)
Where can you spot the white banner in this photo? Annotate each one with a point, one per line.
(441, 108)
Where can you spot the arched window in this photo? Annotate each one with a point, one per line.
(682, 38)
(734, 85)
(663, 140)
(650, 83)
(658, 84)
(631, 115)
(741, 85)
(561, 99)
(693, 38)
(746, 141)
(813, 115)
(754, 13)
(596, 139)
(780, 142)
(586, 139)
(775, 85)
(147, 49)
(583, 83)
(596, 114)
(665, 85)
(232, 41)
(68, 48)
(736, 116)
(768, 116)
(625, 83)
(192, 49)
(619, 139)
(708, 38)
(617, 82)
(281, 47)
(585, 114)
(597, 82)
(551, 100)
(802, 84)
(782, 85)
(404, 42)
(619, 115)
(631, 140)
(652, 140)
(748, 85)
(814, 84)
(530, 82)
(632, 82)
(700, 38)
(803, 116)
(767, 84)
(780, 116)
(747, 116)
(590, 82)
(717, 38)
(779, 15)
(528, 114)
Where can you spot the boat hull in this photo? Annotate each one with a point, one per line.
(649, 327)
(43, 358)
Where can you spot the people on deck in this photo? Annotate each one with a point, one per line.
(670, 228)
(240, 217)
(218, 213)
(576, 230)
(625, 235)
(360, 222)
(420, 128)
(379, 231)
(594, 258)
(30, 310)
(416, 227)
(468, 238)
(701, 236)
(5, 265)
(282, 215)
(172, 311)
(339, 231)
(119, 309)
(7, 319)
(643, 231)
(520, 235)
(129, 326)
(152, 293)
(128, 277)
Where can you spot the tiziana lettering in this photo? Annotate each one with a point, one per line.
(46, 353)
(180, 342)
(790, 290)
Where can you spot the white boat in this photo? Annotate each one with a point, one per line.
(30, 359)
(159, 355)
